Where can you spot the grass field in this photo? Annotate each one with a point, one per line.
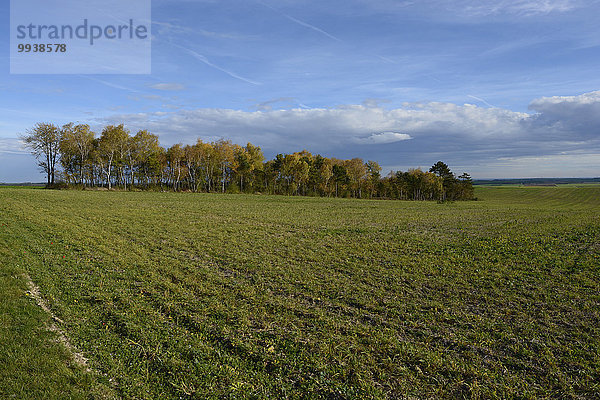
(233, 296)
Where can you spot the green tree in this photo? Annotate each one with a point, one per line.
(288, 170)
(441, 169)
(326, 173)
(208, 162)
(449, 181)
(242, 164)
(175, 165)
(76, 144)
(256, 159)
(373, 176)
(357, 172)
(145, 149)
(340, 176)
(191, 157)
(224, 154)
(465, 185)
(110, 145)
(44, 142)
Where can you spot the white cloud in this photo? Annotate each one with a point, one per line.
(384, 137)
(586, 98)
(576, 116)
(11, 146)
(333, 127)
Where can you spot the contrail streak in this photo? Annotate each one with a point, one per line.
(481, 100)
(109, 84)
(202, 58)
(302, 23)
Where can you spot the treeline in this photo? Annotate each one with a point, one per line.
(73, 155)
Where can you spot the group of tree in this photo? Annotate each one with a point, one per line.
(75, 156)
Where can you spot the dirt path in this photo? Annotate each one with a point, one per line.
(77, 356)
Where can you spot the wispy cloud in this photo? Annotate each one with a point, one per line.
(525, 8)
(168, 28)
(110, 84)
(11, 146)
(513, 46)
(481, 100)
(285, 102)
(302, 23)
(478, 8)
(168, 86)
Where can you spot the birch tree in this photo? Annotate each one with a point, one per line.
(109, 146)
(76, 144)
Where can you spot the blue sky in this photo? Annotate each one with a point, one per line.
(493, 88)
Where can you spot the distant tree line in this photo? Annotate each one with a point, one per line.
(74, 156)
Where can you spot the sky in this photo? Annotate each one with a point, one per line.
(498, 89)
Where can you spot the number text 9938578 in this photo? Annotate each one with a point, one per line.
(42, 48)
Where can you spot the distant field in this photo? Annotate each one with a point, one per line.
(565, 185)
(537, 181)
(174, 295)
(581, 185)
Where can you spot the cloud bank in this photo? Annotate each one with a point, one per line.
(334, 127)
(412, 134)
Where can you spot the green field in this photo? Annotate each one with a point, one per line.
(178, 295)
